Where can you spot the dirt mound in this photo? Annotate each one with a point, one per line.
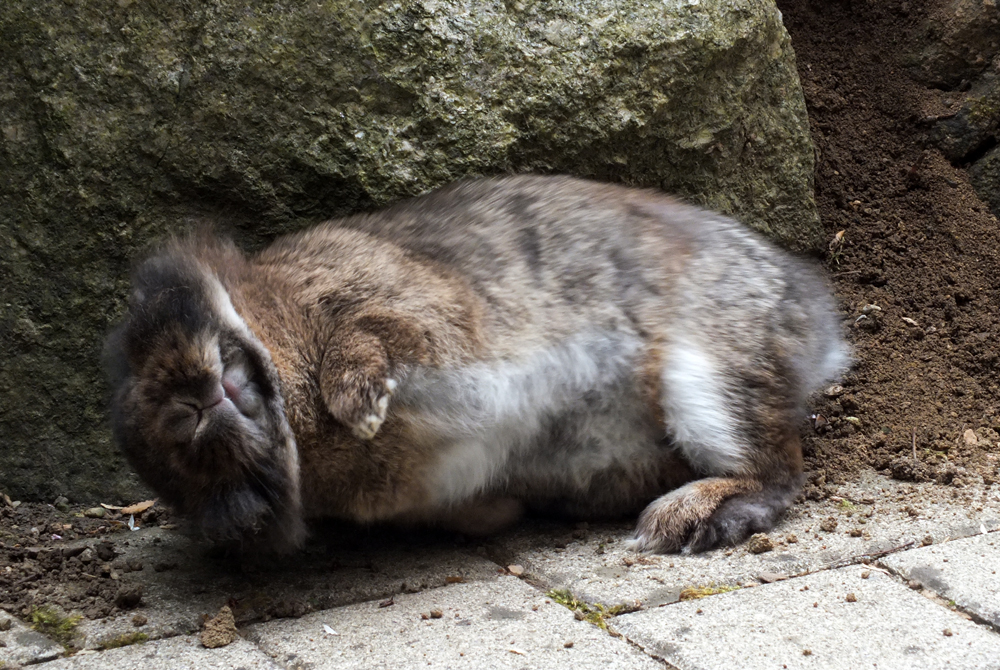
(916, 268)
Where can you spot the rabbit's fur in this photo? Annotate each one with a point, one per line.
(498, 344)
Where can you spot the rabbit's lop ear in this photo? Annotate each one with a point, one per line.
(198, 408)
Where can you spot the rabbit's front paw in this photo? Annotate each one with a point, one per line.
(373, 412)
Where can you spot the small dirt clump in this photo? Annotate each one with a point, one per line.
(220, 630)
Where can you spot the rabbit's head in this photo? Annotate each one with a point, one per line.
(198, 408)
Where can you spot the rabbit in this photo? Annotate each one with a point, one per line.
(496, 346)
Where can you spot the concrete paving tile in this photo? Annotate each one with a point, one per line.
(964, 571)
(872, 514)
(21, 645)
(782, 625)
(182, 579)
(499, 624)
(178, 653)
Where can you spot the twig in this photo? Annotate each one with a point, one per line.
(868, 557)
(29, 578)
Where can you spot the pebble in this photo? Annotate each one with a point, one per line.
(829, 525)
(851, 598)
(95, 513)
(5, 624)
(515, 570)
(139, 620)
(128, 596)
(105, 551)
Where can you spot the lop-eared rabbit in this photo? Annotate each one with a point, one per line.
(497, 345)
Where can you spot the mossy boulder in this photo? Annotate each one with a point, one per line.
(120, 120)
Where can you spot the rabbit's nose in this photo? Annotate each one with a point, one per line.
(214, 398)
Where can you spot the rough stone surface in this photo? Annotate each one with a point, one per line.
(961, 52)
(183, 580)
(596, 566)
(886, 626)
(960, 39)
(500, 624)
(179, 653)
(23, 645)
(120, 119)
(985, 176)
(972, 130)
(963, 571)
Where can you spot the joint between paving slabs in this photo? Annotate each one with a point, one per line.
(936, 597)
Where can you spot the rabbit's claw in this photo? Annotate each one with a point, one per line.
(367, 427)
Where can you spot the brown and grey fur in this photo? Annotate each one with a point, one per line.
(498, 344)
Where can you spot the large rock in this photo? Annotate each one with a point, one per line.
(985, 174)
(119, 119)
(957, 42)
(966, 135)
(959, 47)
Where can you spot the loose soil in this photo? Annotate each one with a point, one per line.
(60, 557)
(918, 259)
(917, 243)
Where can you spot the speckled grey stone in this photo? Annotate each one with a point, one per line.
(23, 645)
(182, 580)
(179, 653)
(786, 625)
(963, 571)
(598, 567)
(484, 626)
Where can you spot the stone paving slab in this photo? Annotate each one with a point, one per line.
(178, 653)
(181, 580)
(22, 645)
(872, 515)
(499, 624)
(783, 625)
(963, 571)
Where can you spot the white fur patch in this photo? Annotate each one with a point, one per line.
(695, 405)
(483, 415)
(224, 306)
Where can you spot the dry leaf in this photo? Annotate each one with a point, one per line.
(138, 508)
